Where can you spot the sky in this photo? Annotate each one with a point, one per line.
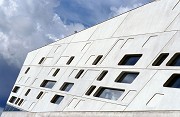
(29, 24)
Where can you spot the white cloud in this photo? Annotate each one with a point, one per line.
(29, 24)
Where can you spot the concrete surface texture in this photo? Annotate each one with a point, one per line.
(128, 63)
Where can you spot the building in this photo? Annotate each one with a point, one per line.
(128, 63)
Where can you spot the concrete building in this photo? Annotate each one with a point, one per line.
(128, 63)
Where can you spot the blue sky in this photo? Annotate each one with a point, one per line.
(29, 24)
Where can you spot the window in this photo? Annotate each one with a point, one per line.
(40, 62)
(160, 59)
(15, 90)
(175, 60)
(56, 72)
(12, 99)
(97, 60)
(66, 86)
(102, 75)
(27, 92)
(48, 84)
(17, 100)
(21, 101)
(126, 77)
(39, 95)
(57, 99)
(130, 59)
(173, 81)
(109, 93)
(27, 70)
(91, 89)
(70, 60)
(79, 74)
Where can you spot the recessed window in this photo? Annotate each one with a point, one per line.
(102, 75)
(79, 73)
(90, 90)
(56, 72)
(66, 86)
(160, 59)
(12, 99)
(15, 90)
(27, 70)
(130, 59)
(97, 60)
(21, 101)
(173, 81)
(48, 84)
(39, 95)
(70, 60)
(175, 60)
(41, 61)
(109, 93)
(127, 77)
(27, 92)
(17, 100)
(57, 99)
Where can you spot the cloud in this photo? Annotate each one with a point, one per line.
(29, 24)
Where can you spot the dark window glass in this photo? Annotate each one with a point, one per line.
(57, 99)
(27, 92)
(56, 72)
(97, 60)
(79, 73)
(15, 90)
(21, 101)
(40, 62)
(109, 93)
(66, 86)
(173, 81)
(102, 75)
(27, 70)
(130, 59)
(126, 77)
(91, 89)
(12, 99)
(70, 60)
(17, 100)
(48, 84)
(39, 95)
(160, 59)
(175, 60)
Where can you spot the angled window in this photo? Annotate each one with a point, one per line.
(12, 99)
(17, 100)
(57, 99)
(27, 92)
(27, 70)
(79, 74)
(56, 72)
(66, 86)
(21, 101)
(127, 77)
(15, 90)
(41, 61)
(173, 81)
(175, 60)
(90, 90)
(130, 59)
(109, 93)
(39, 95)
(97, 60)
(48, 84)
(70, 60)
(160, 59)
(102, 75)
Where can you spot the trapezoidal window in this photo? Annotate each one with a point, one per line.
(16, 89)
(175, 60)
(41, 61)
(48, 84)
(70, 60)
(173, 81)
(102, 75)
(109, 93)
(56, 72)
(27, 70)
(12, 99)
(17, 100)
(27, 92)
(130, 59)
(79, 74)
(97, 60)
(66, 86)
(90, 90)
(160, 59)
(126, 77)
(21, 101)
(39, 95)
(57, 99)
